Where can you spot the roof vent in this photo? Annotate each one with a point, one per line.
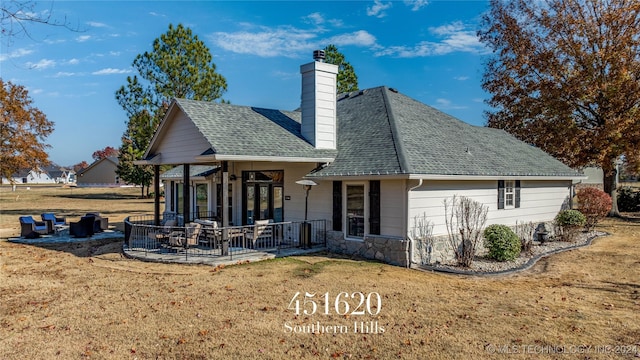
(318, 55)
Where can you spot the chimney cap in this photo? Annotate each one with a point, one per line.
(318, 55)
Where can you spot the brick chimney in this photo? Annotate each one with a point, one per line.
(318, 103)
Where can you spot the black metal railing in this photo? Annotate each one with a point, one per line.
(204, 238)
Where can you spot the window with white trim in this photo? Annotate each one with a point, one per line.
(509, 194)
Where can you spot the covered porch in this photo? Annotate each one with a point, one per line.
(203, 239)
(262, 210)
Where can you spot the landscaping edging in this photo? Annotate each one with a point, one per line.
(527, 265)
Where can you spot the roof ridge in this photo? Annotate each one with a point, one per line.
(397, 143)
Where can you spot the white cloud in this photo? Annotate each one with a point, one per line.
(73, 61)
(378, 9)
(63, 74)
(461, 78)
(286, 41)
(96, 24)
(446, 104)
(16, 54)
(153, 13)
(111, 71)
(455, 37)
(416, 4)
(315, 18)
(83, 38)
(267, 43)
(42, 64)
(358, 38)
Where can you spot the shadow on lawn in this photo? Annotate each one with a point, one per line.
(100, 196)
(85, 247)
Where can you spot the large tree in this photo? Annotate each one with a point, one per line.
(347, 80)
(180, 66)
(23, 130)
(565, 76)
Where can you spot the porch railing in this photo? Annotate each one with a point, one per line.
(146, 239)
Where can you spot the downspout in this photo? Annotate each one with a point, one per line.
(411, 245)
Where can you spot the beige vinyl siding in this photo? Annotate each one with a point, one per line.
(392, 207)
(539, 201)
(182, 141)
(319, 196)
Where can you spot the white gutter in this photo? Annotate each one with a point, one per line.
(411, 246)
(494, 177)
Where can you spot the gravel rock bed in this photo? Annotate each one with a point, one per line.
(483, 265)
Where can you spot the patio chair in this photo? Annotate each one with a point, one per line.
(261, 231)
(53, 220)
(162, 234)
(83, 228)
(187, 238)
(30, 228)
(103, 222)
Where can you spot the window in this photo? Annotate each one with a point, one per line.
(508, 194)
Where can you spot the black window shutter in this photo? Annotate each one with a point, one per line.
(374, 207)
(517, 200)
(337, 205)
(500, 194)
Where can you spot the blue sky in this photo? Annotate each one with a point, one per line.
(427, 50)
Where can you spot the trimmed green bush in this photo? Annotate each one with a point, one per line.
(570, 222)
(570, 218)
(503, 244)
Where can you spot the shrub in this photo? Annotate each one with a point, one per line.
(628, 200)
(594, 204)
(464, 218)
(503, 244)
(570, 222)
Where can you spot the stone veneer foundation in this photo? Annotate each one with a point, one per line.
(394, 251)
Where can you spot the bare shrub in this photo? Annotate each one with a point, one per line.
(422, 234)
(465, 218)
(525, 231)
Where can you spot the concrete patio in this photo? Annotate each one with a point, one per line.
(163, 256)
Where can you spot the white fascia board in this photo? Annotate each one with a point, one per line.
(221, 157)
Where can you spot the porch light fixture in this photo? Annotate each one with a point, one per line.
(306, 185)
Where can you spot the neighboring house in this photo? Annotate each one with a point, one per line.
(380, 159)
(31, 176)
(594, 178)
(101, 173)
(60, 175)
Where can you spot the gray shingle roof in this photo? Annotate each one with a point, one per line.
(250, 131)
(381, 131)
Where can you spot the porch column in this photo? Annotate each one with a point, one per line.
(156, 191)
(225, 193)
(186, 198)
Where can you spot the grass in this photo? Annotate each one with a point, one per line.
(84, 300)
